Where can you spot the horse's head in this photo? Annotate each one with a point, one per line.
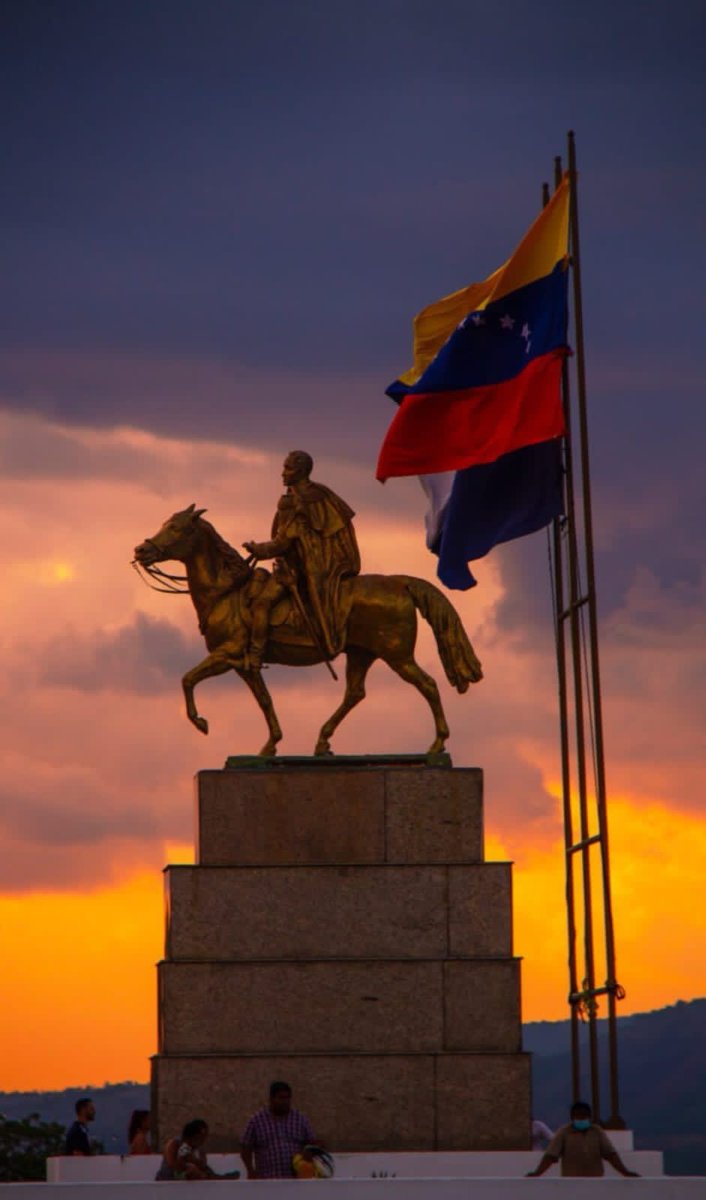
(174, 540)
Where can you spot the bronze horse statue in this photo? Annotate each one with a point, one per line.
(379, 620)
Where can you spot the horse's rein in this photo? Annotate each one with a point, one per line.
(172, 581)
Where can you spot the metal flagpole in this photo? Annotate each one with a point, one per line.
(585, 695)
(612, 989)
(557, 560)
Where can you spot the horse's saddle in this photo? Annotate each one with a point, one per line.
(286, 612)
(286, 615)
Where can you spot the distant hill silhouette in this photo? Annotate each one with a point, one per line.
(662, 1061)
(114, 1104)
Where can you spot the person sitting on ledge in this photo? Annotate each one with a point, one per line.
(581, 1146)
(184, 1157)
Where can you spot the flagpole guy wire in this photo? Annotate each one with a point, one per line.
(579, 688)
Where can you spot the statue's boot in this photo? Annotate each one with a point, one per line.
(258, 640)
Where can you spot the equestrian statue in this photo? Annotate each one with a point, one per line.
(312, 606)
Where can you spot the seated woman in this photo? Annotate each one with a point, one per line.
(138, 1134)
(184, 1157)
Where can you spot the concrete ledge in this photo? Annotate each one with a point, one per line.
(508, 1188)
(436, 1165)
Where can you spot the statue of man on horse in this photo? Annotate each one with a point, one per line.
(315, 548)
(313, 606)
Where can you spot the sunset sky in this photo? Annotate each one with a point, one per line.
(219, 218)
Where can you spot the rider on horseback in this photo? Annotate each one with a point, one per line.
(314, 543)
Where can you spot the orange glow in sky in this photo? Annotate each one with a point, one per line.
(82, 1003)
(659, 906)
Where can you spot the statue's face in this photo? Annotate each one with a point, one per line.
(294, 469)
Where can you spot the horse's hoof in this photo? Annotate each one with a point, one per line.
(268, 750)
(201, 724)
(438, 756)
(323, 750)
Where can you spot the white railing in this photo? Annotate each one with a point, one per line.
(440, 1164)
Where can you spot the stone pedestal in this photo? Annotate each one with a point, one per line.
(342, 931)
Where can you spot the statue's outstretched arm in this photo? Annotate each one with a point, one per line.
(273, 549)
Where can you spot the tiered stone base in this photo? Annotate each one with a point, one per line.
(341, 931)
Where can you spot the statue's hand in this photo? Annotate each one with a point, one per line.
(252, 548)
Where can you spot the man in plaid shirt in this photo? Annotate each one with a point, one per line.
(274, 1135)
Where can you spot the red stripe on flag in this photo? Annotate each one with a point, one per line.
(447, 431)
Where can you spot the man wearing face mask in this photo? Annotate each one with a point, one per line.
(581, 1146)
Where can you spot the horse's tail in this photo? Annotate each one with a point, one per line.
(455, 650)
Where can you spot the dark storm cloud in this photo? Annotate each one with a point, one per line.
(645, 520)
(283, 185)
(184, 396)
(86, 816)
(147, 656)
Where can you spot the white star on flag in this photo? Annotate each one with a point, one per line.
(476, 318)
(507, 321)
(525, 331)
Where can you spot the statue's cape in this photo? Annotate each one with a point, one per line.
(321, 526)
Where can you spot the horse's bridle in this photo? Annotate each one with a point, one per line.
(172, 581)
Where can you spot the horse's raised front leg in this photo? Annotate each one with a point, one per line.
(259, 690)
(358, 663)
(412, 673)
(213, 664)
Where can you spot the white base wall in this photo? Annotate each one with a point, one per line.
(439, 1164)
(546, 1188)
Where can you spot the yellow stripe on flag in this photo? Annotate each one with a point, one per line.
(542, 247)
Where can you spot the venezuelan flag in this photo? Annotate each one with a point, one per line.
(480, 417)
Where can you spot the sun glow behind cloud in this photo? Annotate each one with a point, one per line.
(62, 572)
(97, 757)
(45, 573)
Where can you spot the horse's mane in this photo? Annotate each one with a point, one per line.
(234, 562)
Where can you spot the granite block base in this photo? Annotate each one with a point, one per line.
(341, 931)
(357, 1102)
